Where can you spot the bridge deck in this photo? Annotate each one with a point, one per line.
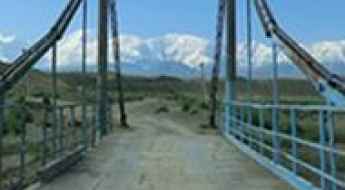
(162, 153)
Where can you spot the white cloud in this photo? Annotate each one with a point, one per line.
(329, 51)
(6, 39)
(131, 48)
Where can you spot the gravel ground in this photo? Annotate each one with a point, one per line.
(165, 151)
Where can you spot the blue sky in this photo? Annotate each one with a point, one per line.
(308, 21)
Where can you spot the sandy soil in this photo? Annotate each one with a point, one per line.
(165, 151)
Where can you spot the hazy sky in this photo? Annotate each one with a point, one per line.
(307, 20)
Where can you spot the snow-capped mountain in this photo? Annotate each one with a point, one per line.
(174, 54)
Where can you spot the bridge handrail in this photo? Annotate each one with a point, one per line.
(279, 144)
(291, 157)
(291, 138)
(287, 106)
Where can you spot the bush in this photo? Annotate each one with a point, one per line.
(34, 149)
(186, 107)
(162, 109)
(204, 126)
(194, 112)
(39, 94)
(13, 122)
(256, 120)
(204, 106)
(16, 116)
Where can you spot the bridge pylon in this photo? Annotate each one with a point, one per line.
(102, 78)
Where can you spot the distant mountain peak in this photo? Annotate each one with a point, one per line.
(173, 54)
(180, 48)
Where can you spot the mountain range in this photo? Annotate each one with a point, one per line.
(175, 55)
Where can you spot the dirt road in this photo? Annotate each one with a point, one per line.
(165, 151)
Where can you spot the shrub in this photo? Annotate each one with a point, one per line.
(186, 107)
(13, 122)
(15, 117)
(34, 149)
(39, 94)
(194, 112)
(204, 106)
(162, 109)
(204, 126)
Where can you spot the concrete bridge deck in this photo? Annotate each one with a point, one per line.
(165, 151)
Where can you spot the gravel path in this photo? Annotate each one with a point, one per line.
(161, 154)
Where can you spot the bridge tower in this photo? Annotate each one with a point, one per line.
(231, 60)
(226, 19)
(102, 78)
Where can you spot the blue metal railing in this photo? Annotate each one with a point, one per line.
(297, 143)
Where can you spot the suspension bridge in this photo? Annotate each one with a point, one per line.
(261, 144)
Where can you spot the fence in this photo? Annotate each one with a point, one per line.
(302, 144)
(35, 137)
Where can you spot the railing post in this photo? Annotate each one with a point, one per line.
(73, 127)
(2, 128)
(61, 130)
(242, 126)
(275, 110)
(54, 79)
(275, 141)
(110, 116)
(83, 128)
(45, 136)
(250, 127)
(23, 149)
(294, 148)
(331, 144)
(94, 126)
(89, 125)
(322, 142)
(226, 115)
(262, 127)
